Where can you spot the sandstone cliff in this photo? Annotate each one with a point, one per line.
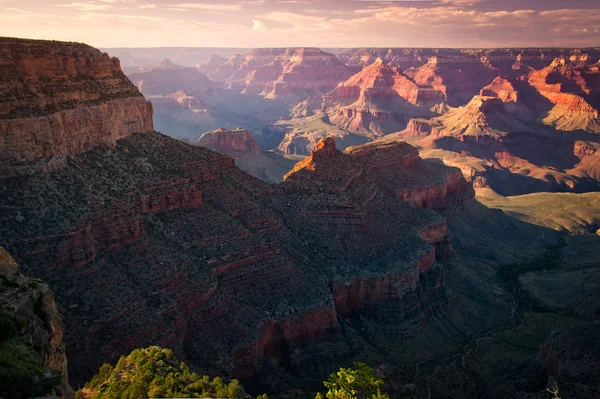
(59, 99)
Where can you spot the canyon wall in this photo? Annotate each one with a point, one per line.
(60, 99)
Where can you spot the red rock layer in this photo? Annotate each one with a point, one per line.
(59, 99)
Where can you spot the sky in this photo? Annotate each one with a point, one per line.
(297, 23)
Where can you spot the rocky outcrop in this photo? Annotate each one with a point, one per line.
(60, 99)
(32, 337)
(238, 142)
(224, 71)
(213, 63)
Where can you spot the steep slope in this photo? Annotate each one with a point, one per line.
(58, 99)
(371, 254)
(511, 62)
(225, 70)
(212, 64)
(187, 103)
(32, 350)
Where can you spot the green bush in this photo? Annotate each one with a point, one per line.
(155, 373)
(359, 382)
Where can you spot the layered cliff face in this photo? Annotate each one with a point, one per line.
(156, 241)
(59, 99)
(378, 100)
(33, 352)
(225, 70)
(242, 146)
(509, 61)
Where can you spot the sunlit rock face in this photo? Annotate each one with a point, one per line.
(60, 99)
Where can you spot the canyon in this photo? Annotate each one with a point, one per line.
(149, 226)
(292, 98)
(368, 248)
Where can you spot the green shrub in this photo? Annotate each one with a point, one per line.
(155, 373)
(359, 382)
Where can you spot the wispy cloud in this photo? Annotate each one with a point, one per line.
(85, 6)
(209, 7)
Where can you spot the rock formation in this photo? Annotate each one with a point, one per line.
(459, 78)
(225, 70)
(213, 63)
(59, 99)
(566, 89)
(380, 99)
(34, 361)
(495, 149)
(158, 241)
(166, 78)
(357, 254)
(230, 142)
(291, 76)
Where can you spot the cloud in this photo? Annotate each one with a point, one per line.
(259, 26)
(85, 6)
(209, 7)
(147, 6)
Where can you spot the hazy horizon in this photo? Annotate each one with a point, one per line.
(305, 23)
